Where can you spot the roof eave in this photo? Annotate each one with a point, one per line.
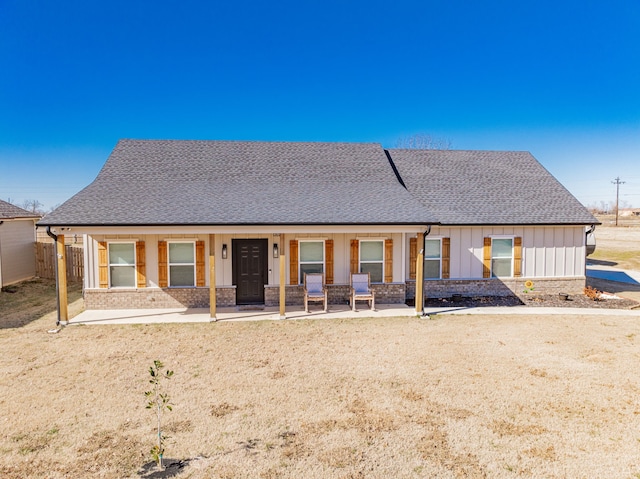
(572, 223)
(119, 225)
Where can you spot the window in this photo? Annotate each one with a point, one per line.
(432, 259)
(372, 259)
(501, 257)
(311, 258)
(182, 266)
(122, 265)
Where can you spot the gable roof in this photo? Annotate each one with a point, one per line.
(487, 188)
(10, 212)
(183, 182)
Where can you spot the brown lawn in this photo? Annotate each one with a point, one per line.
(451, 397)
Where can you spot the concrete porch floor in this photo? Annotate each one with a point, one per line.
(236, 313)
(201, 315)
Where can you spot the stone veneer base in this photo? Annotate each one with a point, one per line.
(386, 293)
(157, 298)
(444, 288)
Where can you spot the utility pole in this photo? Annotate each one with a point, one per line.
(617, 182)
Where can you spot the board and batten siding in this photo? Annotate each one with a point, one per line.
(547, 251)
(150, 248)
(341, 254)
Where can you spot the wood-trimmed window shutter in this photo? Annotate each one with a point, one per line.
(200, 272)
(141, 268)
(388, 261)
(163, 277)
(446, 258)
(328, 260)
(413, 257)
(517, 256)
(103, 265)
(486, 258)
(355, 250)
(293, 262)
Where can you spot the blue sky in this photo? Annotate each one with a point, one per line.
(560, 79)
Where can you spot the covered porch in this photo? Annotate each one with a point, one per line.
(215, 265)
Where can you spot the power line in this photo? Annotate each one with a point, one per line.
(617, 182)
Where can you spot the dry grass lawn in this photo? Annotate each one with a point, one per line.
(618, 246)
(451, 397)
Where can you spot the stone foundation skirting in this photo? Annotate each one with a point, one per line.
(386, 293)
(444, 288)
(160, 298)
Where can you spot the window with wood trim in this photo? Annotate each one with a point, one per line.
(501, 257)
(181, 263)
(122, 265)
(432, 258)
(311, 257)
(372, 259)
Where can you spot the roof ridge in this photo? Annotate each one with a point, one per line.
(278, 142)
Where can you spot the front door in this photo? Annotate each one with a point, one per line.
(249, 270)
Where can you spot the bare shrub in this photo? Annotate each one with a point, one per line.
(592, 293)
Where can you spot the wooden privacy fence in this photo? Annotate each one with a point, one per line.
(46, 259)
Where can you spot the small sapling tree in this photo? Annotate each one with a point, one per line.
(158, 400)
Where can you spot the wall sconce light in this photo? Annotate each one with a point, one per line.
(275, 250)
(224, 251)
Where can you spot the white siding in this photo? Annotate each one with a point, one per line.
(547, 251)
(341, 254)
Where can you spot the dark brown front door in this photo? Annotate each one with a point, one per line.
(249, 270)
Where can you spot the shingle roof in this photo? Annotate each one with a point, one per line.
(178, 182)
(156, 182)
(9, 212)
(487, 187)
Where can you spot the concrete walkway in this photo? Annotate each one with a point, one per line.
(610, 273)
(194, 315)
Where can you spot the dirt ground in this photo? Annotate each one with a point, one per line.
(454, 397)
(450, 397)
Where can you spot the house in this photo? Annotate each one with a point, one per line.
(17, 238)
(629, 212)
(225, 223)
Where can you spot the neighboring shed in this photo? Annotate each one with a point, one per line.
(17, 238)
